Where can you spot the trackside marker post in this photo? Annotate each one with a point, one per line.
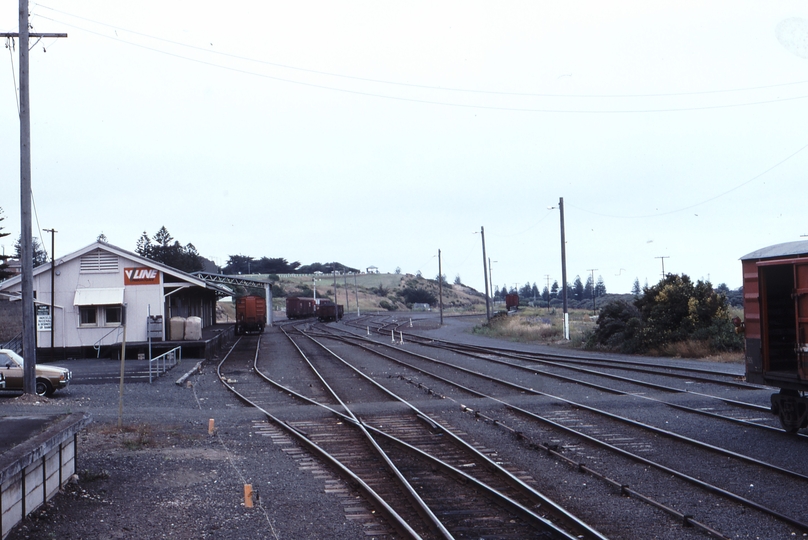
(210, 426)
(393, 335)
(401, 337)
(248, 495)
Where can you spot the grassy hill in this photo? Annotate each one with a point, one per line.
(375, 292)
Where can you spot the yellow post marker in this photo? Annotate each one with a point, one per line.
(210, 426)
(248, 496)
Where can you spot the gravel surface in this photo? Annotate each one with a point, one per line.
(165, 476)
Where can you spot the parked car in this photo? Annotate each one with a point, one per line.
(2, 381)
(48, 378)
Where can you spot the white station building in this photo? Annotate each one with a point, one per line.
(95, 287)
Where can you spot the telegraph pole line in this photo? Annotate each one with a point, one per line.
(440, 288)
(26, 246)
(564, 269)
(593, 270)
(53, 287)
(663, 264)
(485, 277)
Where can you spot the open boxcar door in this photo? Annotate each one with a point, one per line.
(801, 306)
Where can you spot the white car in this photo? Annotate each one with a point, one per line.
(48, 378)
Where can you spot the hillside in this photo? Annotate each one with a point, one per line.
(376, 292)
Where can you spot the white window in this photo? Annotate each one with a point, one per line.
(88, 316)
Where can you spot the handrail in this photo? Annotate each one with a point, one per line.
(97, 345)
(164, 362)
(15, 344)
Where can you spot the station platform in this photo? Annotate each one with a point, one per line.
(214, 337)
(37, 457)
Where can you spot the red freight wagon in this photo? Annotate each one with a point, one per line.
(251, 314)
(511, 301)
(300, 308)
(775, 304)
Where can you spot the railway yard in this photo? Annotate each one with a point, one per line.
(391, 427)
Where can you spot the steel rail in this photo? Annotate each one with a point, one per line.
(572, 521)
(420, 505)
(457, 473)
(629, 380)
(727, 401)
(571, 358)
(709, 487)
(622, 419)
(732, 402)
(396, 520)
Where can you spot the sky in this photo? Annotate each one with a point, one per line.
(377, 133)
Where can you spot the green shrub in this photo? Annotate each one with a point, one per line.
(674, 311)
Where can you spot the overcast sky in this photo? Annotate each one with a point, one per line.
(376, 133)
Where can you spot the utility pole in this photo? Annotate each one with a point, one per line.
(491, 279)
(547, 277)
(594, 309)
(356, 292)
(26, 245)
(663, 264)
(53, 285)
(345, 285)
(485, 275)
(440, 288)
(564, 269)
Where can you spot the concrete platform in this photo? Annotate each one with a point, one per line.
(37, 457)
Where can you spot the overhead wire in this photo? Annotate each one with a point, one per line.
(705, 201)
(412, 85)
(426, 101)
(10, 46)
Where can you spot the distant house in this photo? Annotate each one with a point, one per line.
(372, 270)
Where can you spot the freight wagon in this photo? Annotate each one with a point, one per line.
(511, 301)
(329, 311)
(775, 290)
(251, 314)
(300, 308)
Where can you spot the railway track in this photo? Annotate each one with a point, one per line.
(422, 475)
(592, 431)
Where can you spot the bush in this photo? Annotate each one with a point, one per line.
(413, 295)
(674, 311)
(387, 305)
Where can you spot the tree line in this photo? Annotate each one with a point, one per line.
(577, 291)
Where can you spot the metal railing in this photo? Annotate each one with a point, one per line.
(160, 364)
(98, 345)
(15, 344)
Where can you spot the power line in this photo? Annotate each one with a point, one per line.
(704, 201)
(411, 85)
(426, 101)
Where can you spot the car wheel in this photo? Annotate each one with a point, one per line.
(43, 388)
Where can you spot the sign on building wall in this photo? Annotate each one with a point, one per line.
(141, 276)
(43, 318)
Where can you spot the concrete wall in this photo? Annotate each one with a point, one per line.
(36, 469)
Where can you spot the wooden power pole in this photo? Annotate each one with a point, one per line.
(26, 244)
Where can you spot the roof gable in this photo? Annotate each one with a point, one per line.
(98, 257)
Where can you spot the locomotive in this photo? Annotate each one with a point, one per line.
(775, 291)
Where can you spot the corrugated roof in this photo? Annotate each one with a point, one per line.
(788, 249)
